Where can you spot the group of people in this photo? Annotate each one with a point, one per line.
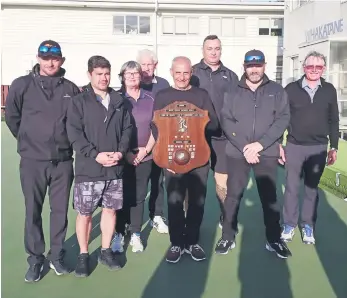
(113, 135)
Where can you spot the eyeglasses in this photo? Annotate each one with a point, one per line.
(314, 67)
(128, 75)
(46, 49)
(259, 59)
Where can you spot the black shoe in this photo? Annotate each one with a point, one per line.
(223, 246)
(59, 267)
(108, 258)
(34, 272)
(82, 267)
(280, 248)
(196, 252)
(174, 254)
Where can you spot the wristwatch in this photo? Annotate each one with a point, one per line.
(333, 149)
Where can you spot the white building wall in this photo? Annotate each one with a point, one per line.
(83, 32)
(299, 20)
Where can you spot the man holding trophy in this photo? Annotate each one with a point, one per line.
(184, 121)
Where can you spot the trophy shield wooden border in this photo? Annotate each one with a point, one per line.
(181, 145)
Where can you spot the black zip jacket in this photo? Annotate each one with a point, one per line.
(216, 83)
(92, 129)
(312, 123)
(35, 113)
(197, 96)
(261, 116)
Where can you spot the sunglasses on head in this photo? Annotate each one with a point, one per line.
(46, 49)
(256, 59)
(314, 67)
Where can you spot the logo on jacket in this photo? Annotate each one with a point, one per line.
(66, 96)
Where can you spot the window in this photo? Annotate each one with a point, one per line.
(180, 25)
(228, 27)
(271, 26)
(131, 24)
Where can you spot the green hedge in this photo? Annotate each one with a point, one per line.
(329, 183)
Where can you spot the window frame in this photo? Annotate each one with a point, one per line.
(270, 26)
(221, 27)
(138, 24)
(174, 25)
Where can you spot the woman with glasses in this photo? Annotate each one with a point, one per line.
(139, 159)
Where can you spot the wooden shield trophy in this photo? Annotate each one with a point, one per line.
(181, 144)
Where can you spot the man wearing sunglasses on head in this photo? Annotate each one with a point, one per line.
(313, 124)
(36, 108)
(253, 119)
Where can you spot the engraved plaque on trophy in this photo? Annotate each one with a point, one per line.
(181, 144)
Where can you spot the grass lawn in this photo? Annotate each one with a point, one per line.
(249, 271)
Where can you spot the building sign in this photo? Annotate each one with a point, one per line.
(324, 31)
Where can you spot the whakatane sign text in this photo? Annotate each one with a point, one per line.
(324, 31)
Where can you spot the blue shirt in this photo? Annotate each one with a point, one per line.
(311, 92)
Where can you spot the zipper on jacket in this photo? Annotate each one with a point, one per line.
(254, 116)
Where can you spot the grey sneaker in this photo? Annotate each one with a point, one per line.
(59, 267)
(34, 273)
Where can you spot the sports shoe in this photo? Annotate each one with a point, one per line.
(108, 258)
(34, 272)
(136, 243)
(280, 248)
(159, 224)
(196, 252)
(82, 267)
(117, 243)
(59, 267)
(223, 246)
(307, 235)
(287, 233)
(174, 254)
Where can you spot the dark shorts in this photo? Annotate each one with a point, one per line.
(218, 156)
(88, 196)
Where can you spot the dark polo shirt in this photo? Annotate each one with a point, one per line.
(142, 114)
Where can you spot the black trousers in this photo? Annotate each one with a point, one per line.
(135, 184)
(265, 175)
(185, 230)
(156, 199)
(36, 177)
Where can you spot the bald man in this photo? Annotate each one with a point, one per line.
(184, 231)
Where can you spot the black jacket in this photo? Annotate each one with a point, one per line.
(261, 116)
(312, 123)
(216, 83)
(35, 113)
(92, 129)
(195, 96)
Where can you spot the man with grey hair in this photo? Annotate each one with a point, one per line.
(150, 82)
(314, 123)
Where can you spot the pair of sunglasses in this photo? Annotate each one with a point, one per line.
(256, 59)
(314, 67)
(46, 49)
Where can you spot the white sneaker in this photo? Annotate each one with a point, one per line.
(159, 224)
(117, 243)
(307, 235)
(136, 243)
(287, 233)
